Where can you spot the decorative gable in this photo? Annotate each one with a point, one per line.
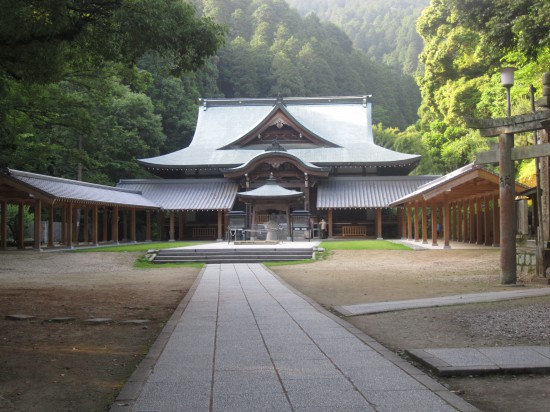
(279, 127)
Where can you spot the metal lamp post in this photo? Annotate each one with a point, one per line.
(507, 194)
(507, 81)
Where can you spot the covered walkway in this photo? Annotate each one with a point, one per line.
(461, 206)
(87, 213)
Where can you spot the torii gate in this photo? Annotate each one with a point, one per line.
(505, 128)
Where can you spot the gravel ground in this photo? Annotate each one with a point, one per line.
(529, 323)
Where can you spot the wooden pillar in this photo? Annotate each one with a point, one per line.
(452, 207)
(409, 223)
(416, 225)
(330, 225)
(114, 225)
(288, 225)
(225, 222)
(220, 225)
(460, 219)
(105, 224)
(160, 225)
(379, 223)
(148, 226)
(424, 223)
(487, 222)
(21, 226)
(124, 225)
(496, 222)
(133, 224)
(479, 235)
(75, 222)
(64, 224)
(95, 225)
(466, 222)
(473, 220)
(172, 228)
(508, 274)
(434, 224)
(37, 224)
(446, 224)
(4, 224)
(403, 219)
(69, 225)
(86, 212)
(50, 225)
(181, 225)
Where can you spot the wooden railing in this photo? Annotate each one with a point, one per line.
(354, 231)
(204, 233)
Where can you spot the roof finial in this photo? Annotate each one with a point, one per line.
(275, 147)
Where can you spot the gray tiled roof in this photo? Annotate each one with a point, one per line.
(72, 190)
(345, 122)
(269, 190)
(366, 192)
(186, 194)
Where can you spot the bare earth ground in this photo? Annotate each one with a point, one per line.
(72, 366)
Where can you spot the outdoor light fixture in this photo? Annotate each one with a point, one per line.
(507, 76)
(507, 81)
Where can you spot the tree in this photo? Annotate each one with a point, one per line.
(42, 40)
(69, 80)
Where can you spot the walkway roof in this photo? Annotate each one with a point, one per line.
(366, 192)
(19, 186)
(467, 182)
(186, 194)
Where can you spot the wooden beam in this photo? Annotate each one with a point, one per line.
(518, 153)
(514, 124)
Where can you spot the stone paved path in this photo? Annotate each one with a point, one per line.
(244, 341)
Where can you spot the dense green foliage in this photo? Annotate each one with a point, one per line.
(72, 101)
(466, 42)
(383, 29)
(272, 51)
(88, 86)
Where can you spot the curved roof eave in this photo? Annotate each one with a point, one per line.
(305, 164)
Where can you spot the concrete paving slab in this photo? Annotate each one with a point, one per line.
(280, 352)
(484, 361)
(380, 307)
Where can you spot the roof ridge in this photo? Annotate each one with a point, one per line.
(357, 99)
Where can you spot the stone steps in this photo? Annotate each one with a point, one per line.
(232, 255)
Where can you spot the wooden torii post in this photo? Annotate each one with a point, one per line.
(505, 128)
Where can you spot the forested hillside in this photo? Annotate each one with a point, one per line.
(384, 30)
(88, 97)
(271, 50)
(85, 91)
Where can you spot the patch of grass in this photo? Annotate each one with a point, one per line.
(288, 262)
(362, 245)
(143, 263)
(140, 247)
